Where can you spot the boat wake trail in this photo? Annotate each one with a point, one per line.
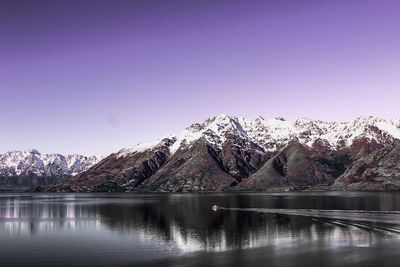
(390, 217)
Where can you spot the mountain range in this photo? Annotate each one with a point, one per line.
(234, 153)
(30, 168)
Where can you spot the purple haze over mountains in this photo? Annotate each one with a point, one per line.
(95, 76)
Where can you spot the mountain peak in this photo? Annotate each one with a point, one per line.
(33, 151)
(220, 119)
(279, 119)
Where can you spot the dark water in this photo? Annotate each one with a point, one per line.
(260, 229)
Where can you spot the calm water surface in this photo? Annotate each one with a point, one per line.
(182, 230)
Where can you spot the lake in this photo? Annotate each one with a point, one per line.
(250, 229)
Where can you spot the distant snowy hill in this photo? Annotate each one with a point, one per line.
(225, 151)
(26, 168)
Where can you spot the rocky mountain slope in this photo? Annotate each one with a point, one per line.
(30, 168)
(228, 152)
(298, 165)
(379, 170)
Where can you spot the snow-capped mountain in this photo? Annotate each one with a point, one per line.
(226, 152)
(272, 134)
(31, 163)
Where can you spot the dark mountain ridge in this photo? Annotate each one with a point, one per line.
(230, 153)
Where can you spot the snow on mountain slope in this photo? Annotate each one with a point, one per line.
(272, 134)
(78, 163)
(32, 163)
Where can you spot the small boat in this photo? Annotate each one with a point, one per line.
(214, 207)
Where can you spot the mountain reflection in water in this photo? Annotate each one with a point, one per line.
(128, 229)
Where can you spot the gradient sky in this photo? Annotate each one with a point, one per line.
(92, 77)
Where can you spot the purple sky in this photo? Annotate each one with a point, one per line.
(95, 76)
